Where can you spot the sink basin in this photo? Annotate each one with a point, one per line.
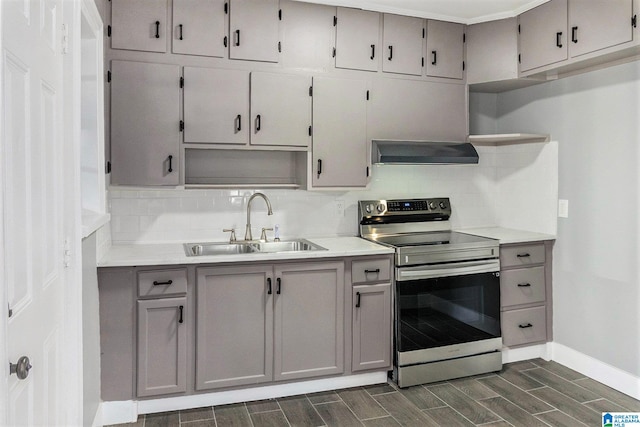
(299, 245)
(204, 249)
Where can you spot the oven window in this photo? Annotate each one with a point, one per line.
(447, 310)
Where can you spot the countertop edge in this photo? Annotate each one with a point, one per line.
(508, 235)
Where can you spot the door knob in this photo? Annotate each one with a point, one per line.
(21, 369)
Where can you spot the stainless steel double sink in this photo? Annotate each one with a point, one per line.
(206, 249)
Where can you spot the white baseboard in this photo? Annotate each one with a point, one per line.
(510, 355)
(606, 374)
(128, 411)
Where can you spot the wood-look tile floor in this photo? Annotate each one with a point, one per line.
(531, 393)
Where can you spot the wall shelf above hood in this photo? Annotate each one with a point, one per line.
(508, 138)
(395, 152)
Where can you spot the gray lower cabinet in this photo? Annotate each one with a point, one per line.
(145, 123)
(371, 326)
(260, 323)
(525, 293)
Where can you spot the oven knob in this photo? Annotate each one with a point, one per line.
(443, 205)
(432, 205)
(381, 208)
(368, 208)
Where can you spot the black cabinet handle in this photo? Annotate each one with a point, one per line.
(528, 325)
(357, 299)
(559, 39)
(168, 282)
(258, 122)
(377, 270)
(181, 319)
(373, 51)
(574, 34)
(170, 158)
(237, 37)
(525, 255)
(157, 29)
(279, 282)
(634, 21)
(224, 41)
(238, 123)
(390, 53)
(524, 285)
(319, 167)
(269, 286)
(180, 26)
(434, 55)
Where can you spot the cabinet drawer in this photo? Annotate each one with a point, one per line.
(524, 326)
(517, 256)
(371, 270)
(522, 286)
(162, 282)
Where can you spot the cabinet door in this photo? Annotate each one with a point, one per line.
(139, 25)
(216, 106)
(254, 28)
(543, 35)
(162, 346)
(309, 320)
(598, 24)
(402, 45)
(234, 341)
(492, 51)
(145, 118)
(357, 34)
(418, 110)
(199, 27)
(371, 317)
(280, 109)
(445, 49)
(339, 133)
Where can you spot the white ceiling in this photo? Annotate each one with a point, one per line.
(462, 11)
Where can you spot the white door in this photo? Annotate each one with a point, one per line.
(32, 246)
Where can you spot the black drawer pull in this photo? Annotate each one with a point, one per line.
(170, 158)
(435, 57)
(238, 123)
(528, 325)
(525, 255)
(319, 167)
(524, 285)
(269, 286)
(180, 26)
(279, 281)
(181, 319)
(168, 282)
(157, 29)
(373, 51)
(258, 123)
(377, 270)
(574, 34)
(237, 37)
(559, 39)
(390, 53)
(357, 299)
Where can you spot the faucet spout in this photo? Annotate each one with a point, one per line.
(247, 234)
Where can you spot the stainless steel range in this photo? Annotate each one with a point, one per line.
(447, 291)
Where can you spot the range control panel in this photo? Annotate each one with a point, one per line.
(404, 206)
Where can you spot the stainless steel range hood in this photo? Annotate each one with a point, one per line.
(396, 152)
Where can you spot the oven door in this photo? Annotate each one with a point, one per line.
(447, 311)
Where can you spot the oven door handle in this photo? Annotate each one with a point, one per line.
(447, 270)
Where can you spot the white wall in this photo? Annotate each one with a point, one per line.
(595, 118)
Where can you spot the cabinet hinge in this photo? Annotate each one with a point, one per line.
(181, 125)
(518, 28)
(310, 90)
(424, 33)
(367, 171)
(423, 61)
(464, 37)
(519, 59)
(108, 167)
(108, 30)
(226, 8)
(280, 14)
(335, 21)
(367, 95)
(634, 21)
(181, 82)
(310, 131)
(334, 52)
(224, 41)
(463, 65)
(279, 47)
(108, 76)
(10, 311)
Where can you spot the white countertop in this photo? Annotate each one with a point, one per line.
(508, 235)
(173, 253)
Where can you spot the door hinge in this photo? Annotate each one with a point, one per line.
(310, 131)
(334, 52)
(108, 167)
(181, 125)
(226, 8)
(181, 82)
(108, 76)
(279, 46)
(335, 21)
(108, 30)
(280, 14)
(634, 21)
(367, 95)
(310, 90)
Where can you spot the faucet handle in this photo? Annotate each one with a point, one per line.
(263, 236)
(232, 238)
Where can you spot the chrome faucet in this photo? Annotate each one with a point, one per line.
(247, 234)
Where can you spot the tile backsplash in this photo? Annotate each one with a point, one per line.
(177, 215)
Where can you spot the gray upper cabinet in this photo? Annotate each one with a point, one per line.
(492, 51)
(543, 35)
(254, 30)
(162, 346)
(371, 320)
(339, 133)
(145, 123)
(235, 326)
(280, 109)
(402, 44)
(309, 320)
(216, 106)
(357, 33)
(598, 24)
(308, 36)
(445, 49)
(139, 25)
(199, 27)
